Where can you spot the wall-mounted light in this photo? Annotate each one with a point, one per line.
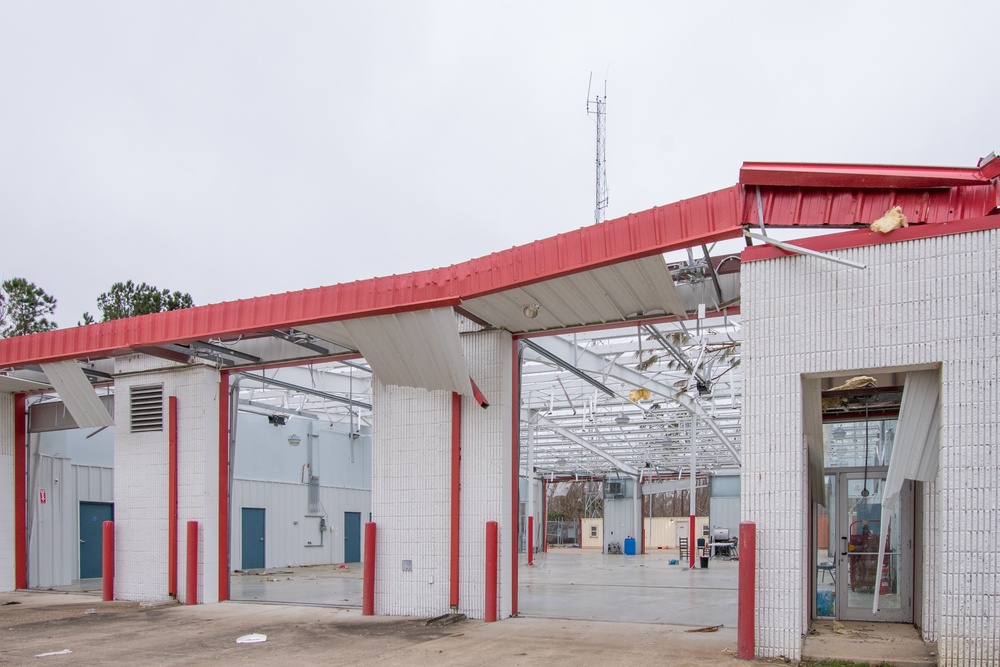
(294, 440)
(531, 310)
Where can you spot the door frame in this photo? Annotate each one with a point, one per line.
(243, 536)
(906, 571)
(79, 514)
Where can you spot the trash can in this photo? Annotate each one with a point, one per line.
(629, 546)
(701, 550)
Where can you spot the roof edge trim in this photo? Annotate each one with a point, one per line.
(863, 237)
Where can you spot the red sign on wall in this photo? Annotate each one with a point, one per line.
(41, 496)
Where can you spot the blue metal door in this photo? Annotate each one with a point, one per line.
(252, 530)
(352, 537)
(92, 518)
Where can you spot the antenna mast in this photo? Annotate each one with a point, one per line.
(598, 109)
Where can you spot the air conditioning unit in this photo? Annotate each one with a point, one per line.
(614, 488)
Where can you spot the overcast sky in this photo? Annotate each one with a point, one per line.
(236, 149)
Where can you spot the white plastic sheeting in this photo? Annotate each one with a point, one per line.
(915, 452)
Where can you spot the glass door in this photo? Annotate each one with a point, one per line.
(859, 575)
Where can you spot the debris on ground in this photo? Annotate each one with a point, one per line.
(254, 638)
(90, 611)
(446, 619)
(709, 628)
(11, 602)
(65, 651)
(890, 220)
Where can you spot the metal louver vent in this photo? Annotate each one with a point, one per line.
(146, 408)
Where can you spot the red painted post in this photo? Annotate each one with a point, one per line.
(531, 540)
(108, 561)
(223, 481)
(745, 646)
(491, 571)
(368, 582)
(691, 542)
(192, 563)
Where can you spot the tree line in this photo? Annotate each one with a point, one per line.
(26, 308)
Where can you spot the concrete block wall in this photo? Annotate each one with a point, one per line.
(411, 482)
(919, 303)
(486, 472)
(7, 579)
(411, 487)
(141, 476)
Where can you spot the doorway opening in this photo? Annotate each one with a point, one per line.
(851, 582)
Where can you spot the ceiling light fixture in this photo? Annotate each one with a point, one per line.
(294, 440)
(531, 310)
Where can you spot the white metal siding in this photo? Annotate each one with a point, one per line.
(287, 528)
(54, 528)
(918, 303)
(7, 581)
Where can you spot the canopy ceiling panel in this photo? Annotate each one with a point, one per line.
(9, 385)
(332, 332)
(414, 349)
(608, 294)
(78, 394)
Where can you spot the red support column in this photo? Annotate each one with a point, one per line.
(192, 563)
(172, 496)
(745, 642)
(691, 542)
(491, 571)
(368, 582)
(456, 493)
(223, 487)
(545, 517)
(108, 561)
(20, 492)
(515, 470)
(531, 540)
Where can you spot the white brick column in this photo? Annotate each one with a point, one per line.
(141, 482)
(411, 486)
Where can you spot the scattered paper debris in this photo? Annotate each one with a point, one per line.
(65, 651)
(710, 628)
(839, 628)
(90, 611)
(254, 638)
(892, 219)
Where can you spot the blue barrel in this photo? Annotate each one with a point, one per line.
(629, 546)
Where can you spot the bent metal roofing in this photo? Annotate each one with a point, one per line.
(789, 195)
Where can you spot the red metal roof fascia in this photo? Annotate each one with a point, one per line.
(220, 320)
(858, 176)
(864, 237)
(840, 207)
(690, 222)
